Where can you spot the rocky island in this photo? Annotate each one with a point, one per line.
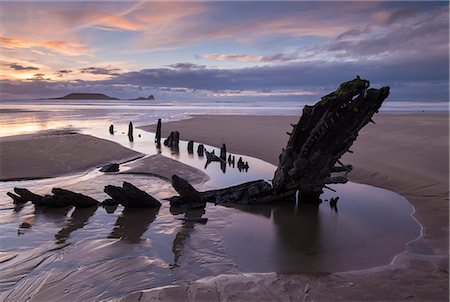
(97, 96)
(85, 96)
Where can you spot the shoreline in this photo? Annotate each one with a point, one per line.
(406, 153)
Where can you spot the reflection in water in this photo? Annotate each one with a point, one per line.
(132, 224)
(184, 232)
(52, 214)
(78, 219)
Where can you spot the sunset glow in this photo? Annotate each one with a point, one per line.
(130, 48)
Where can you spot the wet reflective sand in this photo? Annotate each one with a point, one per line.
(101, 253)
(130, 249)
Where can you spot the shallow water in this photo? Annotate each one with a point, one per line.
(92, 254)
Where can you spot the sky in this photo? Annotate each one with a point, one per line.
(223, 50)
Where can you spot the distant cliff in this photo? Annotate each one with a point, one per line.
(86, 96)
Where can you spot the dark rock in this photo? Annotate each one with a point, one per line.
(130, 196)
(25, 225)
(77, 200)
(110, 168)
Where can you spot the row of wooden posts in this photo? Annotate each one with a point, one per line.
(173, 140)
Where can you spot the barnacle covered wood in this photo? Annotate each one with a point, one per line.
(324, 133)
(310, 160)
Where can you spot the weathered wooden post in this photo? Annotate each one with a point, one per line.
(158, 133)
(176, 139)
(190, 147)
(200, 150)
(223, 152)
(130, 131)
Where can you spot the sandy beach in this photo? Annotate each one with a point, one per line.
(406, 153)
(164, 167)
(43, 155)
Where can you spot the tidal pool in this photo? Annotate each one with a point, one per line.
(98, 254)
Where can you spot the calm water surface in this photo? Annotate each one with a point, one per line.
(95, 254)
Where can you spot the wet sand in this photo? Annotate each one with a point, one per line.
(164, 167)
(53, 154)
(406, 153)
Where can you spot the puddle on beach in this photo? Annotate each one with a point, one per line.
(92, 254)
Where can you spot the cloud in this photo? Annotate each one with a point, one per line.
(19, 67)
(279, 57)
(404, 40)
(63, 47)
(234, 57)
(306, 80)
(100, 70)
(262, 93)
(354, 32)
(186, 66)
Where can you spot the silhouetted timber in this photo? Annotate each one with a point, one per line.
(200, 150)
(16, 198)
(130, 196)
(223, 153)
(190, 147)
(158, 134)
(323, 134)
(172, 140)
(333, 203)
(60, 198)
(130, 132)
(190, 197)
(77, 200)
(27, 195)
